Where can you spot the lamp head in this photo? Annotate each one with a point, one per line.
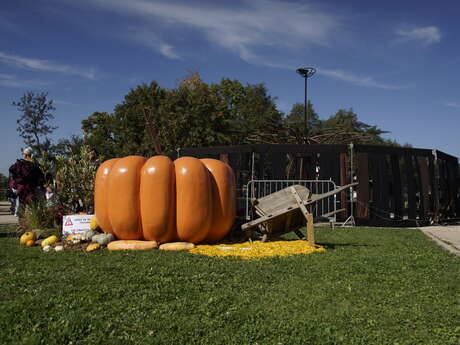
(306, 72)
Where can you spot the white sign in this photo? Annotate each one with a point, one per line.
(75, 224)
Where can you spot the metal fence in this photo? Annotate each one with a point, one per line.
(259, 188)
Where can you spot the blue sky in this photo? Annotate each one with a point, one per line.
(394, 62)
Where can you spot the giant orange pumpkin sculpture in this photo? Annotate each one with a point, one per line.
(190, 199)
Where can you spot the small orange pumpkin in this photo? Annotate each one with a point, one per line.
(188, 200)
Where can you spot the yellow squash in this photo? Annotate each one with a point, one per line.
(49, 241)
(27, 236)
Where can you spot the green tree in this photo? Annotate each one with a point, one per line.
(131, 134)
(193, 115)
(295, 120)
(251, 110)
(99, 131)
(344, 127)
(66, 146)
(190, 115)
(34, 120)
(125, 131)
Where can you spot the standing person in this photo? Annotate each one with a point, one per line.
(26, 178)
(50, 196)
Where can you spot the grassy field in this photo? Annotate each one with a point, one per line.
(372, 286)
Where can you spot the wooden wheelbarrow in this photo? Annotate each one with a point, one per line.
(286, 210)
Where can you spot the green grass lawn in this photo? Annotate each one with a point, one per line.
(372, 286)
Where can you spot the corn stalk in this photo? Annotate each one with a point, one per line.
(75, 180)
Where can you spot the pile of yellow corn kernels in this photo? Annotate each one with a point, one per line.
(258, 249)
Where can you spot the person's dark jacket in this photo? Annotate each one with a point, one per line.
(26, 178)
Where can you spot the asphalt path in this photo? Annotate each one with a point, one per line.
(5, 216)
(447, 236)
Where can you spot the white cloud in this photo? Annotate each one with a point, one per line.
(44, 65)
(452, 105)
(243, 28)
(238, 28)
(167, 51)
(150, 39)
(425, 35)
(358, 80)
(8, 80)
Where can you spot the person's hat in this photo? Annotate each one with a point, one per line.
(27, 151)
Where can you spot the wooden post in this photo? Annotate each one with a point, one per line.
(310, 230)
(299, 201)
(308, 216)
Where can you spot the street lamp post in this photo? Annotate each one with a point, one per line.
(306, 72)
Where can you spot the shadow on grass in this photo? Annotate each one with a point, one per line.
(329, 245)
(7, 234)
(7, 230)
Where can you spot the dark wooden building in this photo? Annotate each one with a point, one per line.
(396, 186)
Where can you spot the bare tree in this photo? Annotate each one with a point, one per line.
(34, 121)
